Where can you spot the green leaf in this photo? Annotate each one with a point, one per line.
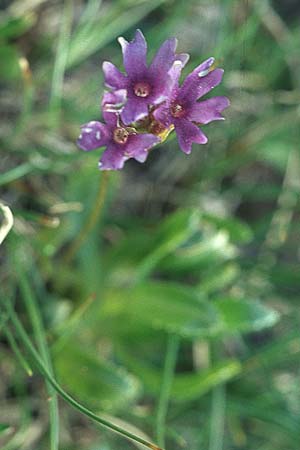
(16, 26)
(245, 315)
(95, 380)
(185, 386)
(136, 257)
(218, 278)
(173, 232)
(165, 307)
(207, 248)
(192, 386)
(238, 231)
(11, 69)
(92, 36)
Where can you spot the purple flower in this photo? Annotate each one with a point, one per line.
(146, 104)
(183, 111)
(121, 142)
(145, 85)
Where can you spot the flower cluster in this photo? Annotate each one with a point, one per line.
(146, 103)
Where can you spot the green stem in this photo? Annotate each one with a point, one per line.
(168, 375)
(21, 333)
(17, 172)
(17, 352)
(39, 334)
(217, 422)
(91, 220)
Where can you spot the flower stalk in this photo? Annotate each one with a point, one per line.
(91, 220)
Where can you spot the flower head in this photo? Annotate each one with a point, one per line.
(121, 142)
(145, 85)
(146, 104)
(184, 112)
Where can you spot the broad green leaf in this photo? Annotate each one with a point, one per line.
(185, 386)
(245, 315)
(191, 386)
(209, 248)
(218, 278)
(135, 257)
(95, 380)
(165, 307)
(173, 232)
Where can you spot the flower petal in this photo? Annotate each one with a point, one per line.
(113, 78)
(93, 135)
(187, 133)
(209, 82)
(208, 110)
(162, 114)
(134, 110)
(200, 81)
(112, 104)
(174, 74)
(183, 57)
(138, 145)
(164, 58)
(113, 158)
(134, 54)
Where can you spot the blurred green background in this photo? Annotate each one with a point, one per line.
(178, 310)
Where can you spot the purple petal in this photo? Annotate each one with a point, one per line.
(200, 81)
(162, 114)
(202, 69)
(113, 78)
(210, 81)
(164, 58)
(174, 74)
(187, 133)
(114, 99)
(134, 110)
(113, 158)
(134, 54)
(208, 110)
(161, 88)
(183, 57)
(138, 145)
(93, 135)
(112, 104)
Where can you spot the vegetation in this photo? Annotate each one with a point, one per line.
(163, 298)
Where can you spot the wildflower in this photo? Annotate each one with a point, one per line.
(147, 103)
(144, 85)
(122, 142)
(184, 112)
